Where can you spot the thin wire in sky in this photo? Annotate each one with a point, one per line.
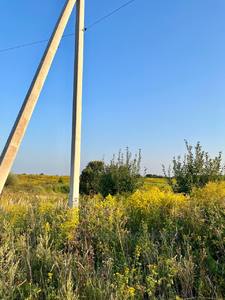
(30, 44)
(108, 15)
(87, 28)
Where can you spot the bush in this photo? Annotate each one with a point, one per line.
(90, 178)
(12, 180)
(196, 170)
(122, 175)
(61, 188)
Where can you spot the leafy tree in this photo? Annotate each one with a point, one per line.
(90, 178)
(122, 175)
(195, 170)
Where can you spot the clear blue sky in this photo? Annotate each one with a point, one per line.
(154, 75)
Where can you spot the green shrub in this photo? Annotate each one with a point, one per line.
(61, 188)
(122, 175)
(195, 170)
(64, 188)
(90, 178)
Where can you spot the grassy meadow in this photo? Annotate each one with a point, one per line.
(151, 244)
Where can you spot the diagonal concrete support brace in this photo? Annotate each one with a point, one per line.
(12, 146)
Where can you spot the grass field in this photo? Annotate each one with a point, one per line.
(41, 184)
(153, 244)
(159, 182)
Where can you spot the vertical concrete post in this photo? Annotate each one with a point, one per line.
(12, 146)
(77, 107)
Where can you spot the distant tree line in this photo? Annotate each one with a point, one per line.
(154, 176)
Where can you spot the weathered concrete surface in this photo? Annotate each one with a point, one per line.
(12, 146)
(77, 108)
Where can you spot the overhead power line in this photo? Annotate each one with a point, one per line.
(108, 15)
(3, 50)
(30, 44)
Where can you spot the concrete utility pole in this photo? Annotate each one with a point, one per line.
(77, 107)
(12, 146)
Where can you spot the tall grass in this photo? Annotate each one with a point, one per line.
(153, 244)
